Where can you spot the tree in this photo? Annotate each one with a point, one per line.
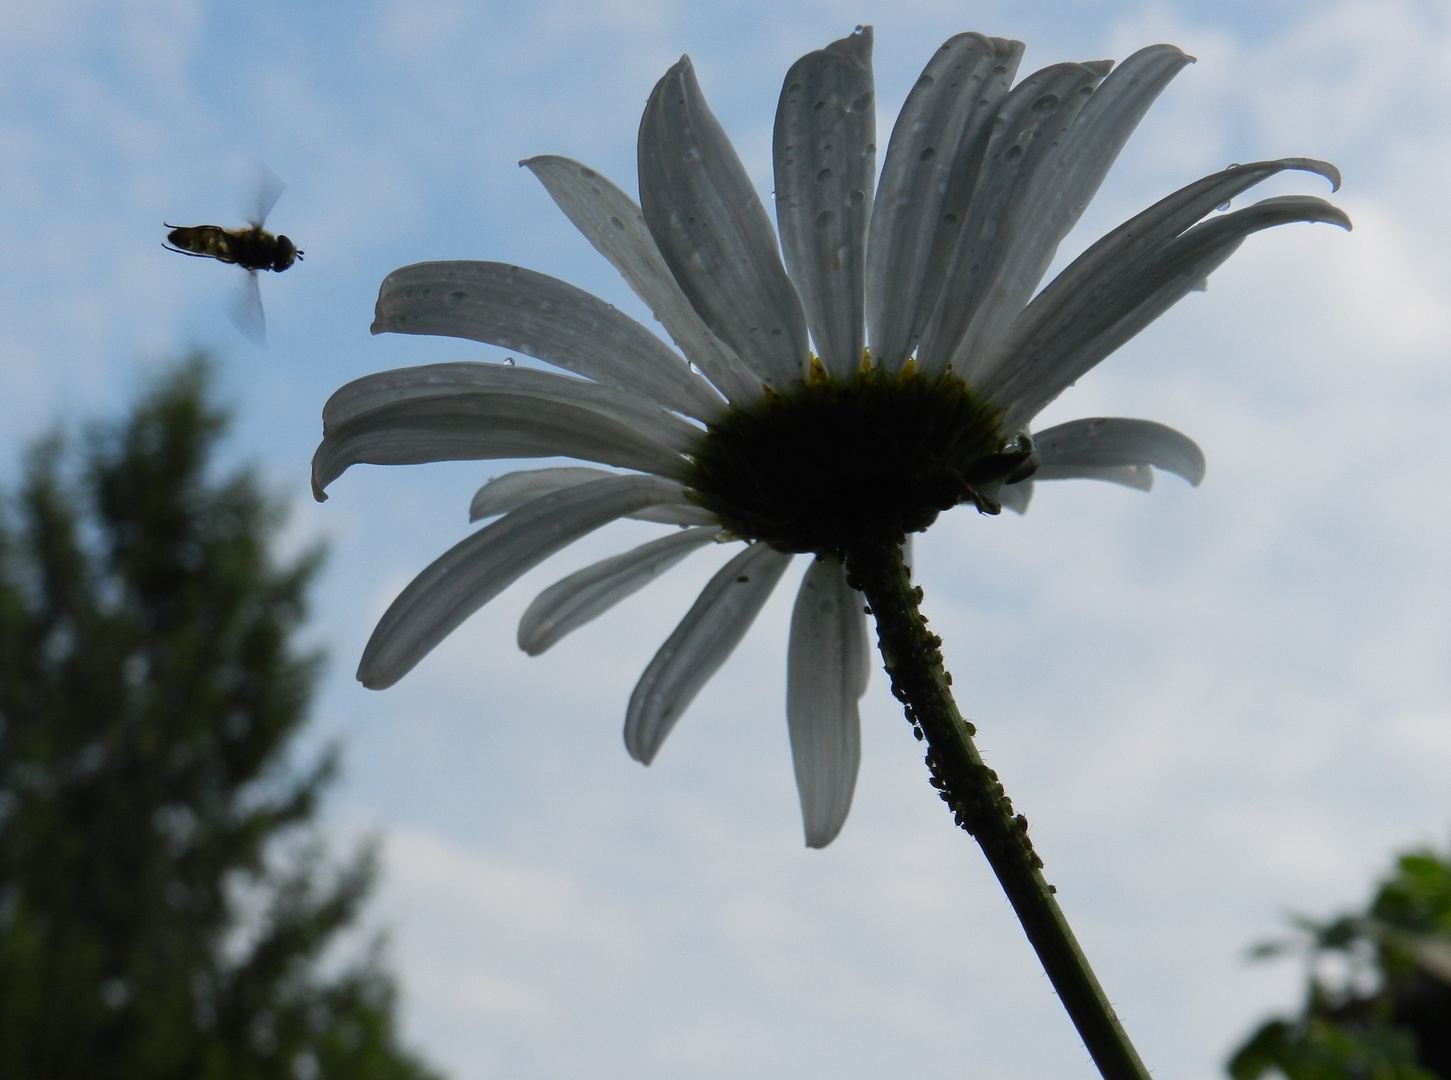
(1389, 1016)
(165, 909)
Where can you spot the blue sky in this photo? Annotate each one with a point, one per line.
(1215, 705)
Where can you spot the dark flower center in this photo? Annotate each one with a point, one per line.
(828, 467)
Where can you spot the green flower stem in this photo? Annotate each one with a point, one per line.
(914, 663)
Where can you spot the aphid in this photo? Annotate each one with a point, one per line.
(252, 249)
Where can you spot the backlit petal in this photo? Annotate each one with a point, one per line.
(708, 634)
(710, 226)
(542, 317)
(473, 572)
(825, 157)
(826, 673)
(928, 177)
(464, 411)
(1127, 246)
(1107, 441)
(615, 225)
(1030, 126)
(573, 601)
(1060, 190)
(514, 489)
(1073, 330)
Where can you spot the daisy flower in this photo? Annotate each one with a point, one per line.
(836, 382)
(752, 438)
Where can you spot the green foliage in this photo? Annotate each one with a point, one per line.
(162, 913)
(1391, 1018)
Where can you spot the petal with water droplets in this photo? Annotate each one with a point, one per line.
(1025, 137)
(542, 317)
(928, 176)
(1060, 190)
(710, 226)
(824, 154)
(615, 225)
(1071, 333)
(1081, 286)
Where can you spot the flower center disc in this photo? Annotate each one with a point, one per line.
(827, 466)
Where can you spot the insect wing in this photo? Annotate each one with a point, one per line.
(265, 192)
(245, 310)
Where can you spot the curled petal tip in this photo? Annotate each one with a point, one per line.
(371, 680)
(1322, 168)
(816, 843)
(318, 493)
(636, 753)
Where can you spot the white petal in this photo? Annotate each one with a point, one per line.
(928, 175)
(542, 317)
(431, 381)
(1016, 497)
(513, 490)
(570, 603)
(1076, 332)
(473, 572)
(1059, 191)
(615, 225)
(710, 226)
(826, 673)
(1139, 477)
(710, 631)
(465, 411)
(1030, 125)
(683, 512)
(1082, 284)
(1106, 442)
(824, 150)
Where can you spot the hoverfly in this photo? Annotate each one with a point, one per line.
(252, 249)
